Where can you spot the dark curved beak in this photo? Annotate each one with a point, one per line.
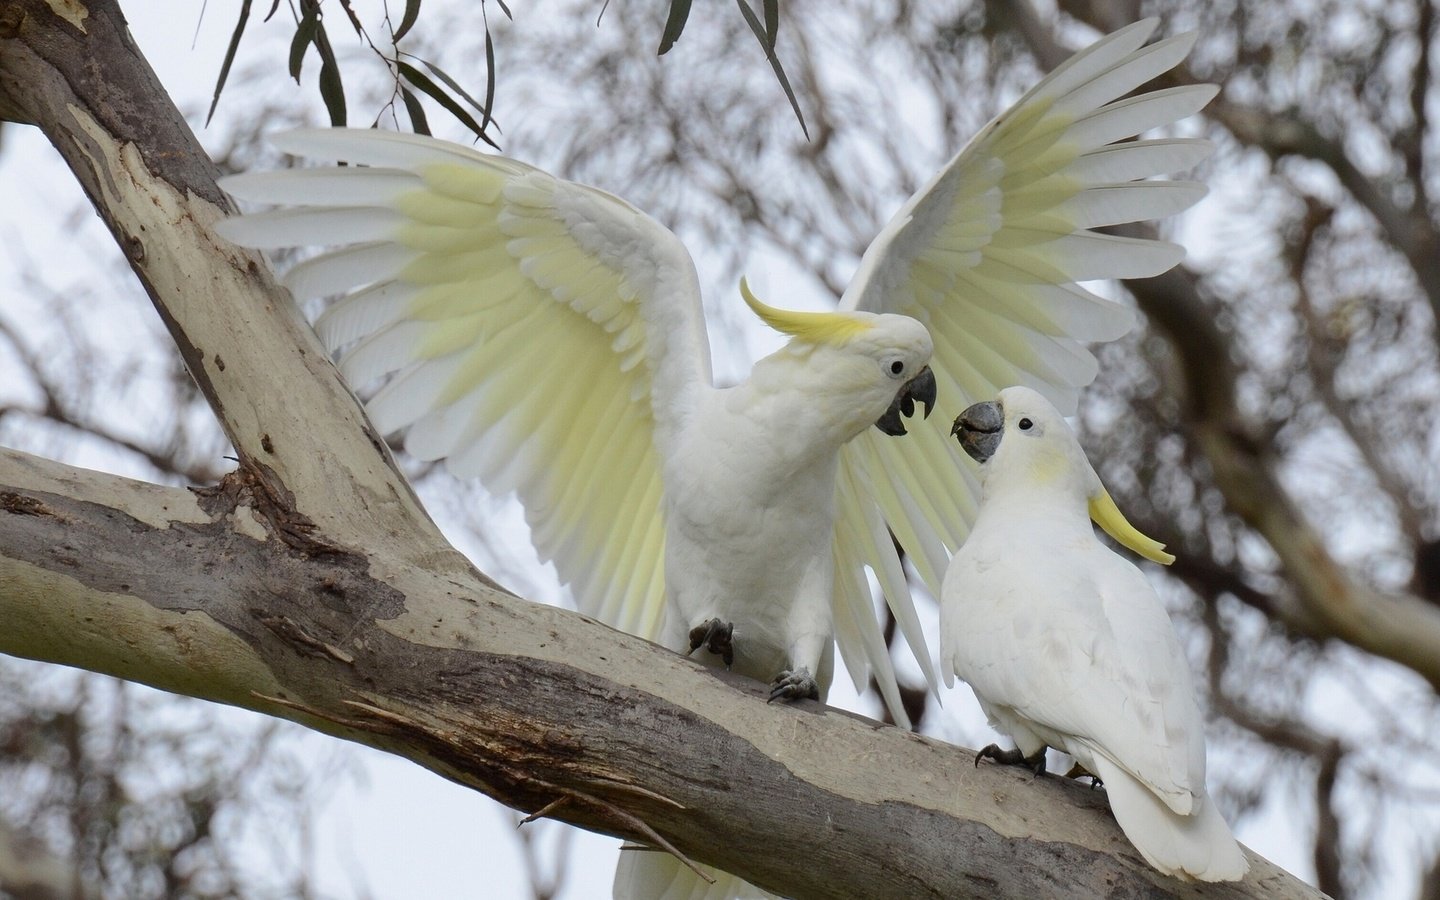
(979, 428)
(922, 388)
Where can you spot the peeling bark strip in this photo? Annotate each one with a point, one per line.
(21, 505)
(255, 485)
(313, 587)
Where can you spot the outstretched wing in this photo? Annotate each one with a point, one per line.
(535, 333)
(988, 256)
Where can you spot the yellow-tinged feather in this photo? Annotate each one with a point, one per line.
(1108, 516)
(900, 518)
(1031, 232)
(450, 301)
(1039, 197)
(458, 333)
(1056, 158)
(966, 382)
(1018, 267)
(445, 240)
(1028, 136)
(473, 184)
(998, 355)
(1013, 126)
(434, 268)
(835, 329)
(430, 208)
(479, 368)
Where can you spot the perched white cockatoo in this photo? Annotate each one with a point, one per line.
(548, 338)
(1066, 644)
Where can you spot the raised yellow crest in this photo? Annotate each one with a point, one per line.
(1108, 516)
(816, 327)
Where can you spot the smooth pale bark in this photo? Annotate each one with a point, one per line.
(310, 585)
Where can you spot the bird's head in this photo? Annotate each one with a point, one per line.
(865, 368)
(1022, 442)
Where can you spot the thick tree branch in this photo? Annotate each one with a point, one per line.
(532, 704)
(1399, 627)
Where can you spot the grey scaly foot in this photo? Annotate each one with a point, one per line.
(1013, 757)
(796, 685)
(715, 636)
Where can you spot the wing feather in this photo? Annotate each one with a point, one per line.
(528, 330)
(857, 631)
(988, 254)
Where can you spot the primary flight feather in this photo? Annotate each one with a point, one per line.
(1066, 644)
(548, 338)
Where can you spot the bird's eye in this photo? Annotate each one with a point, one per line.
(897, 367)
(1026, 424)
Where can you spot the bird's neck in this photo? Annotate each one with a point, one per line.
(817, 407)
(1058, 499)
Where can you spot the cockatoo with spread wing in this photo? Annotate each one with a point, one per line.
(1066, 644)
(548, 338)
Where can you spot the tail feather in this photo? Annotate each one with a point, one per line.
(652, 875)
(1199, 846)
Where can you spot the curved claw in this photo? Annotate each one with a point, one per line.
(796, 685)
(715, 636)
(1013, 757)
(1078, 771)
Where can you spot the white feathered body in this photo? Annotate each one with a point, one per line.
(1067, 645)
(749, 526)
(750, 506)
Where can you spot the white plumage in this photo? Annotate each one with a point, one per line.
(1066, 644)
(548, 338)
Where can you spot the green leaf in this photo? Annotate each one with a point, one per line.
(772, 20)
(407, 21)
(489, 81)
(304, 37)
(331, 91)
(674, 24)
(451, 83)
(423, 84)
(418, 122)
(354, 19)
(229, 57)
(769, 48)
(505, 9)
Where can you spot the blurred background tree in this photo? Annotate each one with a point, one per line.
(1274, 417)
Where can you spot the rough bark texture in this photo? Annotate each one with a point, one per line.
(309, 584)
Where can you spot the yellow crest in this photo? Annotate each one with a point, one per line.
(816, 327)
(1108, 516)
